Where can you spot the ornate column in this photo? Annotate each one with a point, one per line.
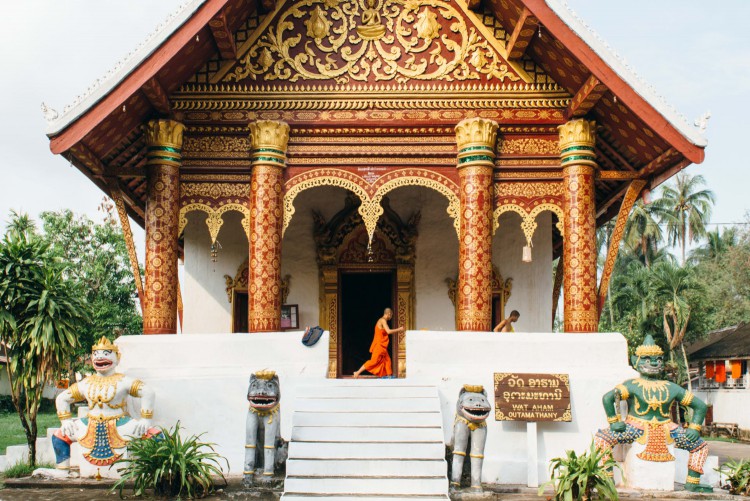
(476, 140)
(268, 140)
(578, 159)
(164, 141)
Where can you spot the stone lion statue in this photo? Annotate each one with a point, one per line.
(264, 446)
(472, 410)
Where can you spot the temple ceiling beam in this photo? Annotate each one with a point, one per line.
(612, 152)
(669, 173)
(586, 98)
(157, 96)
(660, 161)
(223, 37)
(521, 36)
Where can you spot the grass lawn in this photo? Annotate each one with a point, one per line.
(11, 431)
(722, 439)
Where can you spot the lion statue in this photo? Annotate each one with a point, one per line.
(472, 410)
(263, 443)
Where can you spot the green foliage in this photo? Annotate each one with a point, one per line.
(738, 476)
(99, 263)
(23, 469)
(171, 466)
(41, 311)
(575, 478)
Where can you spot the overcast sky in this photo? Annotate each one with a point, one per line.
(695, 53)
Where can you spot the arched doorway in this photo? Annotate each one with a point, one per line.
(359, 278)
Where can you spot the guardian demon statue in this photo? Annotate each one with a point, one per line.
(263, 436)
(649, 399)
(472, 410)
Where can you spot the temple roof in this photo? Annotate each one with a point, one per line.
(638, 132)
(724, 344)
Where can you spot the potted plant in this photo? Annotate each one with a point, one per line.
(580, 478)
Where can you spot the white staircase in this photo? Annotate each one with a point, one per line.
(366, 439)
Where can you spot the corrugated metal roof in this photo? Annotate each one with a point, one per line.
(735, 344)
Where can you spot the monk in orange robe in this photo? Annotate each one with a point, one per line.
(380, 361)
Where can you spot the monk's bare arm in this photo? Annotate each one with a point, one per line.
(383, 325)
(499, 327)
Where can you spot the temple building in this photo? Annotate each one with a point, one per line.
(311, 162)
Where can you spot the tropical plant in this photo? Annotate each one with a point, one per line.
(40, 314)
(642, 231)
(99, 263)
(737, 475)
(685, 209)
(170, 465)
(575, 478)
(717, 244)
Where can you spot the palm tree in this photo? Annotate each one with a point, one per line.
(670, 285)
(642, 231)
(717, 243)
(40, 314)
(685, 209)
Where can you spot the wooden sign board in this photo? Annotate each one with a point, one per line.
(532, 397)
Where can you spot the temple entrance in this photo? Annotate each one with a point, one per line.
(364, 296)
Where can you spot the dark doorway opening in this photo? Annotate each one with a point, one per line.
(364, 296)
(239, 312)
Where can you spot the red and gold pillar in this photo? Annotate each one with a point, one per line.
(164, 141)
(268, 140)
(578, 159)
(476, 138)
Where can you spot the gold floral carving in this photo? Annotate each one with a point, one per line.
(530, 146)
(215, 190)
(500, 287)
(215, 220)
(203, 145)
(372, 40)
(528, 190)
(528, 218)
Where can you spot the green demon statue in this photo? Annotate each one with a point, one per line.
(649, 399)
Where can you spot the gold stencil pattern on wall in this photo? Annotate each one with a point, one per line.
(372, 41)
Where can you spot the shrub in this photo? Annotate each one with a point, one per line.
(738, 476)
(576, 477)
(171, 466)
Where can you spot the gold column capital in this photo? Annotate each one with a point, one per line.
(268, 141)
(577, 142)
(476, 139)
(476, 132)
(164, 133)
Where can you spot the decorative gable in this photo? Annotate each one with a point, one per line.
(373, 41)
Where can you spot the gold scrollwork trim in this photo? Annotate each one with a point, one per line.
(371, 208)
(215, 220)
(528, 217)
(215, 190)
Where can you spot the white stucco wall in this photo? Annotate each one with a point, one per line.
(730, 406)
(531, 294)
(450, 360)
(206, 307)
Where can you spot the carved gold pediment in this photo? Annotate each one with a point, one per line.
(371, 41)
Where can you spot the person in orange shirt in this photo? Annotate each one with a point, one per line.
(380, 362)
(507, 324)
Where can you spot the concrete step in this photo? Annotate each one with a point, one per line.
(365, 450)
(373, 391)
(343, 420)
(365, 468)
(333, 485)
(366, 434)
(366, 404)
